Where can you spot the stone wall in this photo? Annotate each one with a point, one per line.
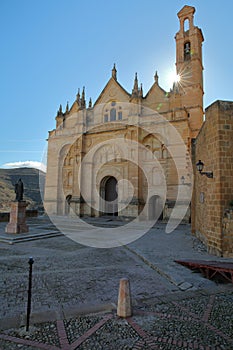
(227, 228)
(214, 147)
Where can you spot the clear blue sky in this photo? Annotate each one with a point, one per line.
(50, 48)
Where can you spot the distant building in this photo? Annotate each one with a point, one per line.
(102, 131)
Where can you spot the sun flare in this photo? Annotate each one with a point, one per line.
(173, 77)
(177, 78)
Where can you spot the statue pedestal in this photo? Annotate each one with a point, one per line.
(17, 222)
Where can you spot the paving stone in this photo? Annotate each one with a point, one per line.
(185, 286)
(67, 275)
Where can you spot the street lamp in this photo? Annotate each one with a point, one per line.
(200, 166)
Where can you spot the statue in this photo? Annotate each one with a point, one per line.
(19, 190)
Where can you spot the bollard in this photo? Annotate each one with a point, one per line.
(30, 262)
(124, 306)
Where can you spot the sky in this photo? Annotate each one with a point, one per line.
(50, 48)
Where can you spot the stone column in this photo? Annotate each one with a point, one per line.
(17, 222)
(124, 307)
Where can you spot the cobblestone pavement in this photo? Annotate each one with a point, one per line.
(196, 320)
(174, 308)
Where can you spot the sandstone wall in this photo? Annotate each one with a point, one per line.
(214, 147)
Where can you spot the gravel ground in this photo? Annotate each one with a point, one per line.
(44, 332)
(115, 334)
(76, 327)
(196, 322)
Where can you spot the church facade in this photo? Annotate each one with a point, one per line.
(128, 153)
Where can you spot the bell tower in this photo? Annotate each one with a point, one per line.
(189, 67)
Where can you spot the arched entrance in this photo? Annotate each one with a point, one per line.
(155, 210)
(109, 196)
(67, 204)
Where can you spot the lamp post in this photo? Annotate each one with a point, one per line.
(187, 182)
(200, 166)
(182, 179)
(30, 262)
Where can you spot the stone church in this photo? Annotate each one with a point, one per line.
(128, 153)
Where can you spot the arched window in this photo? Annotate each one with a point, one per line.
(163, 151)
(187, 51)
(112, 114)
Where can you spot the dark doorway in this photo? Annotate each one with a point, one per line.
(67, 204)
(155, 210)
(108, 192)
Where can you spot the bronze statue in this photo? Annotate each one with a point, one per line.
(19, 190)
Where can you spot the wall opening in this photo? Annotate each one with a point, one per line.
(109, 196)
(187, 51)
(67, 204)
(155, 209)
(112, 114)
(186, 25)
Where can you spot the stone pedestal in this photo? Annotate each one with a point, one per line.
(17, 222)
(124, 307)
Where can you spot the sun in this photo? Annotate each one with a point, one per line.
(176, 78)
(172, 77)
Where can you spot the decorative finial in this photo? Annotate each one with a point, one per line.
(90, 103)
(114, 72)
(59, 112)
(78, 96)
(156, 77)
(83, 102)
(175, 88)
(67, 107)
(141, 91)
(135, 87)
